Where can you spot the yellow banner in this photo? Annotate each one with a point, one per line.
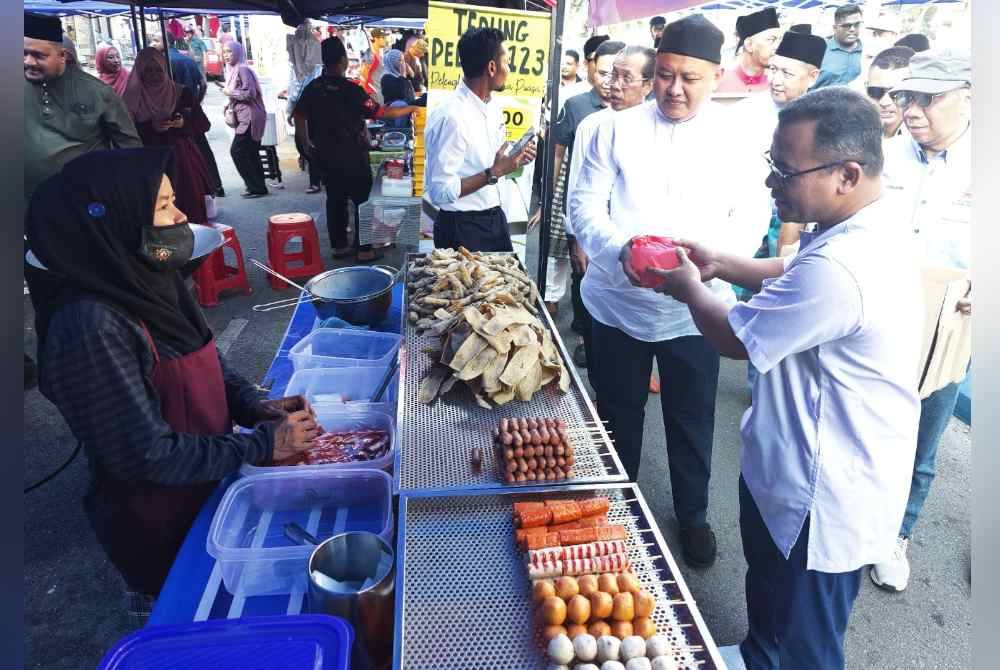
(527, 42)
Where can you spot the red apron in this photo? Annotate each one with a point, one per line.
(142, 524)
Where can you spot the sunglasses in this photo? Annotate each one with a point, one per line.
(877, 92)
(904, 99)
(848, 26)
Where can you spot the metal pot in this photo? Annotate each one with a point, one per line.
(360, 294)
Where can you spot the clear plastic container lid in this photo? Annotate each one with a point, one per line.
(249, 523)
(344, 348)
(302, 642)
(342, 386)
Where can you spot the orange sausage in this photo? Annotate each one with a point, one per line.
(578, 536)
(533, 518)
(594, 506)
(569, 525)
(521, 507)
(566, 513)
(593, 521)
(611, 533)
(542, 541)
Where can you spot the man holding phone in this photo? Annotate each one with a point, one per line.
(467, 151)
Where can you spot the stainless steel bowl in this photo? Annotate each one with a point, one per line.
(360, 294)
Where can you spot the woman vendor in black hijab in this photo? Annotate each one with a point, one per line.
(127, 357)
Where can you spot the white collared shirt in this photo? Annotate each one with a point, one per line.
(584, 134)
(934, 197)
(462, 138)
(832, 430)
(642, 174)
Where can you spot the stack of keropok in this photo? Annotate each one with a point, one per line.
(582, 586)
(418, 118)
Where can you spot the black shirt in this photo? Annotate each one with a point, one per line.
(335, 110)
(397, 88)
(573, 112)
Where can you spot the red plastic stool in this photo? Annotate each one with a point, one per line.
(215, 275)
(281, 228)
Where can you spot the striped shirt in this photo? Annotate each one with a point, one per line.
(97, 367)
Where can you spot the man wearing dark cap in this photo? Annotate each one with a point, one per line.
(651, 170)
(929, 177)
(803, 28)
(656, 26)
(915, 41)
(759, 34)
(67, 112)
(842, 64)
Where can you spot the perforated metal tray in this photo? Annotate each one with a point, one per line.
(463, 597)
(436, 440)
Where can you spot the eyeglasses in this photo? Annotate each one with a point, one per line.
(848, 26)
(625, 80)
(785, 177)
(904, 99)
(877, 92)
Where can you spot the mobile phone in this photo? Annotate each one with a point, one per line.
(518, 146)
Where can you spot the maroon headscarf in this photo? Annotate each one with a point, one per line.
(116, 80)
(151, 95)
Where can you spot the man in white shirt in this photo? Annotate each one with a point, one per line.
(929, 176)
(629, 85)
(466, 150)
(888, 69)
(835, 336)
(654, 170)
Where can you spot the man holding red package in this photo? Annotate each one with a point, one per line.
(824, 475)
(651, 170)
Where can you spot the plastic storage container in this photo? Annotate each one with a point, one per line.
(339, 418)
(397, 188)
(247, 535)
(302, 642)
(344, 348)
(345, 387)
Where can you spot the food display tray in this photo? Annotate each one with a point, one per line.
(463, 597)
(436, 440)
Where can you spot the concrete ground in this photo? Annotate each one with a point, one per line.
(73, 602)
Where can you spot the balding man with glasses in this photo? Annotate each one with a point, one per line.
(929, 177)
(835, 337)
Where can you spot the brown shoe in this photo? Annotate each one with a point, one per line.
(654, 384)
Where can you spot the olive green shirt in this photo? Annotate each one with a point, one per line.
(84, 114)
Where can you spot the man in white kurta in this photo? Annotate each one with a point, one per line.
(835, 332)
(672, 167)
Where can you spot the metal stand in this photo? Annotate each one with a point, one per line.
(548, 165)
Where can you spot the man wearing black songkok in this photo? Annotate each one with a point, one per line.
(758, 34)
(653, 170)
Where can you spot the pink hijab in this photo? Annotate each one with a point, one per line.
(150, 100)
(116, 80)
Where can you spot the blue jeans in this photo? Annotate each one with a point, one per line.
(935, 411)
(797, 617)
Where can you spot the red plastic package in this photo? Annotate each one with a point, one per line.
(652, 251)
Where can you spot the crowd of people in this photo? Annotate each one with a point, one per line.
(788, 206)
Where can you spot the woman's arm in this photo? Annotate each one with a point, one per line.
(96, 368)
(242, 397)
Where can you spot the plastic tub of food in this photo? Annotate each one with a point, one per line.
(344, 348)
(247, 535)
(344, 387)
(302, 642)
(339, 419)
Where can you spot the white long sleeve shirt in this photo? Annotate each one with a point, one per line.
(462, 138)
(584, 134)
(642, 174)
(832, 431)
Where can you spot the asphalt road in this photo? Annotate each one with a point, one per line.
(73, 597)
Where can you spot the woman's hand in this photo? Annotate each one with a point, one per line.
(294, 434)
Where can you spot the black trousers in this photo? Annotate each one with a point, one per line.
(201, 140)
(620, 366)
(797, 617)
(484, 230)
(341, 187)
(315, 174)
(246, 156)
(582, 322)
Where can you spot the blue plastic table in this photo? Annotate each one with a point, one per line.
(194, 590)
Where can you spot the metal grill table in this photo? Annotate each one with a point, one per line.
(436, 440)
(463, 597)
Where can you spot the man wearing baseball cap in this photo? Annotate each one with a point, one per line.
(654, 170)
(930, 178)
(656, 26)
(759, 34)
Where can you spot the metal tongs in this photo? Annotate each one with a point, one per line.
(286, 302)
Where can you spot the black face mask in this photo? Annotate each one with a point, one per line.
(166, 248)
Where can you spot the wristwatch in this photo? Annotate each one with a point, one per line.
(490, 179)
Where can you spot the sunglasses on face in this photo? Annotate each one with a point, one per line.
(877, 92)
(904, 99)
(849, 26)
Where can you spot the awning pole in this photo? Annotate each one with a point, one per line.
(166, 44)
(135, 29)
(142, 24)
(548, 164)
